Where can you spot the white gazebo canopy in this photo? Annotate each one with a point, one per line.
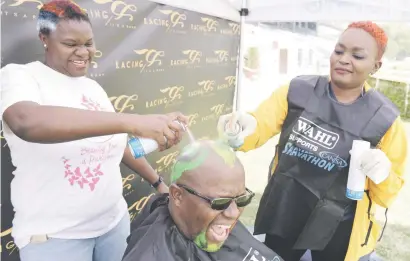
(299, 10)
(267, 11)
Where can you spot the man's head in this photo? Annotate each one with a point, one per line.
(65, 31)
(357, 54)
(206, 179)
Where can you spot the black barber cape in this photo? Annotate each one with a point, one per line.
(155, 237)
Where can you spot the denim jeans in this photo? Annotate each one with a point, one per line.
(108, 247)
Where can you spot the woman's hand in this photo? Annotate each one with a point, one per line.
(247, 125)
(158, 126)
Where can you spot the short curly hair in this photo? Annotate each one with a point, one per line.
(54, 11)
(375, 31)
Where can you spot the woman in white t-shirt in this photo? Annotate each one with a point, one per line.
(67, 143)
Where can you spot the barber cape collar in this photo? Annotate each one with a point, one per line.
(155, 237)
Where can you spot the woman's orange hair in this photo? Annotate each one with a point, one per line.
(374, 30)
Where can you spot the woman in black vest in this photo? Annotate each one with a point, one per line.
(304, 206)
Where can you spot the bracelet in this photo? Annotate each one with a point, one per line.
(156, 184)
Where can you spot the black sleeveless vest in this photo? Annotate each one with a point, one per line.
(305, 200)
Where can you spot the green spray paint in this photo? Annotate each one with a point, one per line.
(225, 152)
(201, 242)
(191, 157)
(195, 154)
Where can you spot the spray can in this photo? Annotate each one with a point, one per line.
(140, 147)
(232, 133)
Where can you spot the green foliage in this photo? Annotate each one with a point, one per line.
(395, 91)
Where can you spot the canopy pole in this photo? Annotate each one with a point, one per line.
(239, 78)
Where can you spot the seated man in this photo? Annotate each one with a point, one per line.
(198, 219)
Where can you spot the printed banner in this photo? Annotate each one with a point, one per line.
(151, 58)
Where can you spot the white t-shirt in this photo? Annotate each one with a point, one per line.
(69, 190)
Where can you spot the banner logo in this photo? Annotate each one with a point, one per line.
(206, 89)
(97, 54)
(118, 10)
(124, 102)
(127, 187)
(138, 205)
(164, 164)
(1, 134)
(307, 130)
(192, 58)
(217, 110)
(234, 29)
(18, 12)
(94, 64)
(209, 25)
(10, 245)
(20, 2)
(173, 22)
(151, 61)
(219, 57)
(192, 119)
(173, 98)
(229, 82)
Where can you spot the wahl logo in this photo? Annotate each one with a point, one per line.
(151, 61)
(220, 56)
(173, 20)
(192, 58)
(192, 119)
(206, 89)
(209, 25)
(234, 29)
(304, 128)
(229, 82)
(217, 110)
(119, 10)
(165, 163)
(124, 103)
(173, 97)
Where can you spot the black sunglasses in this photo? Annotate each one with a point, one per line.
(223, 203)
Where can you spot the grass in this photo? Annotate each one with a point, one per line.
(395, 243)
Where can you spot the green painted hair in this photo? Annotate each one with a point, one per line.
(195, 154)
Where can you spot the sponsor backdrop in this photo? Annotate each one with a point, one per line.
(151, 58)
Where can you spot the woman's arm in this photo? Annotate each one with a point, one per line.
(144, 169)
(270, 116)
(394, 145)
(51, 124)
(23, 113)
